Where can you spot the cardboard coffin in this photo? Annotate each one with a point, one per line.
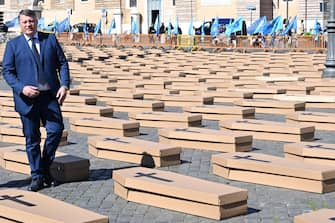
(8, 115)
(78, 110)
(12, 133)
(320, 153)
(112, 95)
(105, 126)
(270, 130)
(166, 119)
(321, 216)
(127, 105)
(14, 158)
(321, 120)
(30, 207)
(76, 99)
(186, 100)
(312, 101)
(220, 112)
(271, 106)
(179, 192)
(146, 153)
(206, 139)
(275, 171)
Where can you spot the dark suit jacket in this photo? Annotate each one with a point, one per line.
(20, 68)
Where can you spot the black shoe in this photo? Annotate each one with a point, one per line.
(48, 180)
(36, 184)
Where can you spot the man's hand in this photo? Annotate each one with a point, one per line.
(61, 94)
(30, 91)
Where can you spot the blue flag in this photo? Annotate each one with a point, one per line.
(190, 28)
(175, 29)
(215, 27)
(40, 24)
(12, 23)
(97, 28)
(290, 26)
(111, 27)
(275, 25)
(235, 26)
(156, 25)
(134, 26)
(85, 28)
(169, 28)
(64, 26)
(261, 25)
(316, 28)
(255, 26)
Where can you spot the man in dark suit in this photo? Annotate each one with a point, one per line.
(35, 66)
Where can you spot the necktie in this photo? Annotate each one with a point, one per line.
(40, 75)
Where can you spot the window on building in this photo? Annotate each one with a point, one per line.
(133, 3)
(2, 2)
(84, 0)
(174, 2)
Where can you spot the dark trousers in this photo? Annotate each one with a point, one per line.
(46, 110)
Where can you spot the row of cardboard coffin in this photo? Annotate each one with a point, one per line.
(259, 129)
(298, 171)
(193, 116)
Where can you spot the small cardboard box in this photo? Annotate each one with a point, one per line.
(178, 192)
(31, 207)
(70, 168)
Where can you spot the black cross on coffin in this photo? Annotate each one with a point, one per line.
(332, 219)
(151, 175)
(116, 139)
(310, 113)
(149, 113)
(249, 157)
(318, 147)
(186, 130)
(19, 150)
(15, 199)
(14, 127)
(90, 119)
(248, 122)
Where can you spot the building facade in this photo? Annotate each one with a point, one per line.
(146, 11)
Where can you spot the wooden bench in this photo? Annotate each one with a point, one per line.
(316, 152)
(274, 171)
(206, 139)
(24, 206)
(271, 106)
(166, 119)
(323, 215)
(146, 153)
(269, 130)
(178, 192)
(321, 120)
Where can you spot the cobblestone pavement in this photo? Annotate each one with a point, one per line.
(265, 203)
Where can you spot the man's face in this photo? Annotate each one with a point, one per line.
(28, 25)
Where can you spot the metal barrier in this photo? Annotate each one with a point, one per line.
(195, 42)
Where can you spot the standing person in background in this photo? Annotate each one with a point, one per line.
(35, 67)
(302, 27)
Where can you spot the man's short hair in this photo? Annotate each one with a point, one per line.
(28, 12)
